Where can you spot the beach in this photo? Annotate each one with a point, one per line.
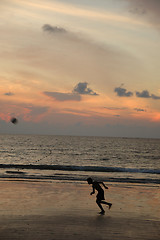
(51, 210)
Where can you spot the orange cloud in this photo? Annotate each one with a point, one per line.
(156, 117)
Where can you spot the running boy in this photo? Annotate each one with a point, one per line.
(100, 195)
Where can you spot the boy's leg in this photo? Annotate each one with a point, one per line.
(100, 206)
(109, 204)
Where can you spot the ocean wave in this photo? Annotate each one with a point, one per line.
(80, 168)
(14, 175)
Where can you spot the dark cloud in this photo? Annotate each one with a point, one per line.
(146, 94)
(63, 96)
(53, 29)
(139, 109)
(155, 97)
(143, 94)
(122, 92)
(149, 9)
(115, 108)
(9, 94)
(81, 88)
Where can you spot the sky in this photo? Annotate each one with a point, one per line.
(86, 68)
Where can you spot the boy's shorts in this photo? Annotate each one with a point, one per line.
(100, 196)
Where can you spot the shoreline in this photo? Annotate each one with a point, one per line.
(59, 210)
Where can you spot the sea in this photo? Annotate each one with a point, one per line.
(74, 158)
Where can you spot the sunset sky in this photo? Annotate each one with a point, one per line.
(80, 67)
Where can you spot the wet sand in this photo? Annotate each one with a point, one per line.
(65, 210)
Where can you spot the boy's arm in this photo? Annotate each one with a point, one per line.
(103, 185)
(92, 191)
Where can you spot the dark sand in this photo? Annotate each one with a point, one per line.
(54, 210)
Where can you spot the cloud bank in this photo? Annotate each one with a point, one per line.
(122, 92)
(80, 89)
(146, 94)
(77, 55)
(63, 96)
(149, 9)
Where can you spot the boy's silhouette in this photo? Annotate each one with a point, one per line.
(100, 195)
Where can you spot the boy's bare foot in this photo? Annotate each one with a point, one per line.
(102, 212)
(110, 205)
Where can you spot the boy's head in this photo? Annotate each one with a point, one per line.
(89, 180)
